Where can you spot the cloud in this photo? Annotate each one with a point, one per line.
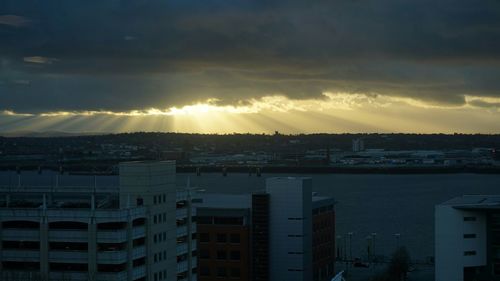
(15, 21)
(39, 60)
(128, 55)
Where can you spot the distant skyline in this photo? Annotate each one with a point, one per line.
(250, 66)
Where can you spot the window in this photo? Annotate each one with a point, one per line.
(235, 255)
(469, 218)
(154, 200)
(235, 238)
(204, 271)
(235, 272)
(204, 237)
(468, 236)
(221, 272)
(221, 255)
(221, 238)
(164, 198)
(469, 253)
(204, 254)
(155, 219)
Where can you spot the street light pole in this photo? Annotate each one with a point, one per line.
(350, 244)
(397, 235)
(374, 235)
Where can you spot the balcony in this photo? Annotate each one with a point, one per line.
(138, 272)
(182, 249)
(20, 234)
(68, 235)
(182, 231)
(115, 276)
(111, 236)
(181, 213)
(138, 252)
(69, 275)
(20, 255)
(138, 232)
(112, 257)
(68, 256)
(182, 266)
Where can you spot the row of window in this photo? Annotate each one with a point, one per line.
(160, 237)
(70, 225)
(220, 272)
(234, 238)
(160, 218)
(469, 253)
(221, 255)
(160, 275)
(323, 209)
(323, 224)
(55, 266)
(322, 237)
(158, 257)
(221, 220)
(159, 199)
(69, 246)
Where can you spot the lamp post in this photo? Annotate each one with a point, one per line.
(339, 247)
(374, 235)
(397, 235)
(350, 234)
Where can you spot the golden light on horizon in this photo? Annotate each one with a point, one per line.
(334, 112)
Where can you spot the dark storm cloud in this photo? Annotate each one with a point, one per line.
(122, 55)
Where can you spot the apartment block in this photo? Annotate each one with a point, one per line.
(139, 230)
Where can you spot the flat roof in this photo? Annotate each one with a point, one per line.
(484, 202)
(242, 201)
(224, 201)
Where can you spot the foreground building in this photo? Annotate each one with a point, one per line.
(284, 233)
(140, 230)
(467, 239)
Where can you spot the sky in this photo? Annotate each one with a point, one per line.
(220, 66)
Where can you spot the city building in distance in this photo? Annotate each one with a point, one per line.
(284, 233)
(140, 230)
(467, 239)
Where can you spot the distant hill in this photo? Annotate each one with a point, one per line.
(48, 134)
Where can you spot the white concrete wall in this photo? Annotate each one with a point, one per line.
(149, 180)
(290, 198)
(450, 243)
